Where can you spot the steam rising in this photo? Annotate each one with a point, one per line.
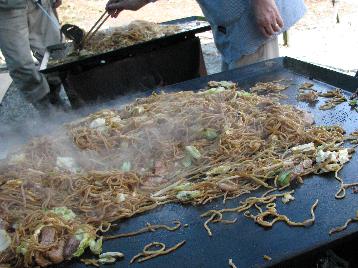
(142, 136)
(16, 132)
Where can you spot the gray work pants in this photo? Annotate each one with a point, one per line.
(23, 32)
(267, 51)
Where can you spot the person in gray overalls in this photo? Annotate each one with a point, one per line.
(245, 31)
(26, 32)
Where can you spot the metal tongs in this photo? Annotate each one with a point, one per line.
(73, 32)
(79, 46)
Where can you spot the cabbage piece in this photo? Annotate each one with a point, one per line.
(38, 231)
(126, 166)
(96, 246)
(22, 248)
(67, 163)
(193, 152)
(287, 198)
(225, 84)
(64, 212)
(5, 240)
(121, 197)
(304, 148)
(107, 260)
(116, 120)
(342, 156)
(186, 161)
(242, 93)
(110, 257)
(138, 110)
(219, 170)
(185, 196)
(353, 102)
(183, 187)
(214, 90)
(210, 134)
(85, 240)
(284, 178)
(331, 167)
(112, 254)
(98, 123)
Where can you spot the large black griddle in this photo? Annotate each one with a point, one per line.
(245, 242)
(190, 26)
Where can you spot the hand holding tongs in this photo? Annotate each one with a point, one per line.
(93, 30)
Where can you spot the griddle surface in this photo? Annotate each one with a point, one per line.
(246, 242)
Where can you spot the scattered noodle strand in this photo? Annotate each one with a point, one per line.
(148, 254)
(149, 228)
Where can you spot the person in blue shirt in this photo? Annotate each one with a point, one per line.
(245, 31)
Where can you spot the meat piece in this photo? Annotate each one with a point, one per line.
(302, 167)
(308, 118)
(288, 164)
(41, 260)
(47, 236)
(71, 246)
(354, 95)
(159, 168)
(306, 86)
(56, 253)
(310, 97)
(225, 84)
(227, 187)
(265, 104)
(154, 181)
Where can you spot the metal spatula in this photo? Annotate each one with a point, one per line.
(73, 32)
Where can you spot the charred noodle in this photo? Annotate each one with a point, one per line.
(59, 193)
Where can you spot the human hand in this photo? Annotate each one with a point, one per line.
(267, 16)
(114, 7)
(57, 3)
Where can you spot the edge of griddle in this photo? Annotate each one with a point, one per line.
(323, 74)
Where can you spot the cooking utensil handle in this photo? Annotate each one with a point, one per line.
(53, 21)
(94, 26)
(99, 26)
(93, 30)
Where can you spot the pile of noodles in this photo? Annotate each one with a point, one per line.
(136, 32)
(114, 38)
(170, 147)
